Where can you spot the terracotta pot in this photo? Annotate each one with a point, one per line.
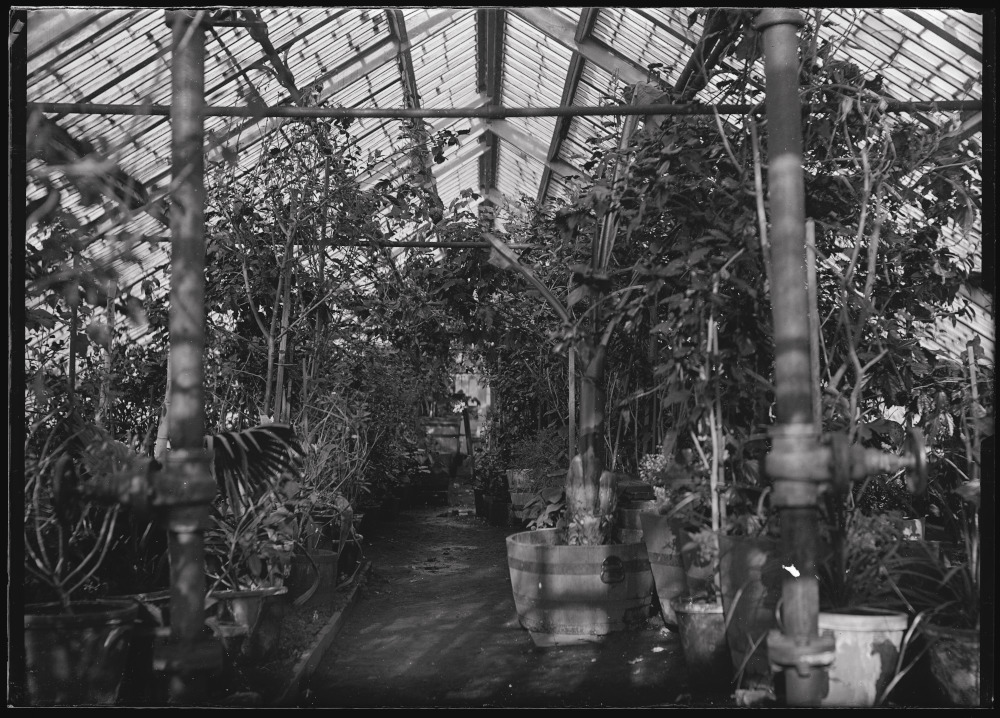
(953, 657)
(866, 655)
(660, 536)
(702, 629)
(77, 658)
(577, 594)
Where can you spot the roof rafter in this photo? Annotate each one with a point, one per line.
(564, 32)
(588, 16)
(490, 29)
(924, 22)
(411, 97)
(532, 147)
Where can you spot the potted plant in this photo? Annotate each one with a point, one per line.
(76, 643)
(546, 509)
(861, 602)
(942, 591)
(248, 557)
(701, 622)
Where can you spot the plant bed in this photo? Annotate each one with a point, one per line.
(305, 635)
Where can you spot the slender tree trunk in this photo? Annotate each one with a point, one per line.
(162, 431)
(103, 417)
(590, 490)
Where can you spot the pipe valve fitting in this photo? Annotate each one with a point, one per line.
(803, 464)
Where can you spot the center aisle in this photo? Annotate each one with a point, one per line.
(436, 627)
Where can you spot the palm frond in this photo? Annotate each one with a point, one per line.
(249, 462)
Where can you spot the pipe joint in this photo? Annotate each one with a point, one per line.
(778, 16)
(802, 653)
(798, 464)
(186, 479)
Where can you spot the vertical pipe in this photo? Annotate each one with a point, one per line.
(188, 485)
(786, 194)
(789, 301)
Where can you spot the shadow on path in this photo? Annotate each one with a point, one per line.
(436, 627)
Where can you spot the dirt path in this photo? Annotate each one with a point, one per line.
(436, 627)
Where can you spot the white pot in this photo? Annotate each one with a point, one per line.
(867, 650)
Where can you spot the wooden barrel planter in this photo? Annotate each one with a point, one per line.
(568, 595)
(628, 526)
(659, 535)
(77, 658)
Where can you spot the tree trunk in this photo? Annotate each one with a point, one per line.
(590, 488)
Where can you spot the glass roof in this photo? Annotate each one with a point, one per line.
(450, 57)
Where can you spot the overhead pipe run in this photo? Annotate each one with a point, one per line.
(801, 463)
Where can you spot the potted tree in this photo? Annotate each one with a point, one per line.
(571, 585)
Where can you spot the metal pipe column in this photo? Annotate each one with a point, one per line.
(795, 497)
(187, 485)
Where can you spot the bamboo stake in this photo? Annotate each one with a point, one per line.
(814, 329)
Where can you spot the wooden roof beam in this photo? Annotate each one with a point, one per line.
(562, 124)
(411, 97)
(532, 147)
(490, 30)
(922, 20)
(564, 32)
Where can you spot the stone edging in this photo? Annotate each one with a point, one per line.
(307, 664)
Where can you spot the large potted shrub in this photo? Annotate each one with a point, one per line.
(572, 585)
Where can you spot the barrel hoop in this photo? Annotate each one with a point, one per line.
(572, 569)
